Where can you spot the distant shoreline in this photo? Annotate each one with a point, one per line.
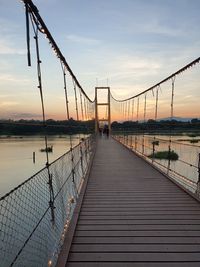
(52, 127)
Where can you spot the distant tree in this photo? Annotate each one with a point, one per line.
(151, 121)
(195, 120)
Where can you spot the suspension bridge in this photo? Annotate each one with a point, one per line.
(108, 201)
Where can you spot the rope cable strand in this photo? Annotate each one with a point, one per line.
(44, 30)
(28, 35)
(39, 75)
(65, 90)
(172, 114)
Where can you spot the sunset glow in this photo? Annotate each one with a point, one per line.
(114, 46)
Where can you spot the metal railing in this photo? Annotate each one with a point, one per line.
(28, 236)
(151, 121)
(181, 170)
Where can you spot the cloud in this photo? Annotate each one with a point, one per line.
(82, 40)
(19, 115)
(13, 78)
(25, 115)
(11, 38)
(156, 27)
(7, 49)
(8, 103)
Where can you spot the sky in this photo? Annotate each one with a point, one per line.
(129, 45)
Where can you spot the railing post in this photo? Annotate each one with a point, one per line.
(73, 171)
(153, 154)
(51, 192)
(131, 141)
(135, 142)
(143, 145)
(198, 181)
(169, 157)
(81, 157)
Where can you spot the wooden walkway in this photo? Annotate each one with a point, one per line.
(132, 215)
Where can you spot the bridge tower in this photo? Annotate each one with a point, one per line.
(99, 119)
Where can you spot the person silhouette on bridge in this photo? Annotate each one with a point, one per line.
(106, 130)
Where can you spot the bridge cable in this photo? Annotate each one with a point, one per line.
(32, 9)
(144, 122)
(40, 86)
(81, 100)
(154, 143)
(128, 110)
(137, 116)
(171, 122)
(51, 191)
(28, 34)
(76, 100)
(132, 114)
(70, 130)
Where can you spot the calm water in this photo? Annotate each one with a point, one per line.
(16, 162)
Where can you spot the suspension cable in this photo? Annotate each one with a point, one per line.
(32, 9)
(28, 34)
(128, 110)
(138, 106)
(172, 114)
(156, 106)
(81, 100)
(191, 64)
(65, 90)
(40, 86)
(132, 109)
(76, 100)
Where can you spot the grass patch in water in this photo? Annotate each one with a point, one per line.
(165, 155)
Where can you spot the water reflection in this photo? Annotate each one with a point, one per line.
(16, 163)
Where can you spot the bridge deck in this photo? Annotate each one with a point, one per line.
(132, 215)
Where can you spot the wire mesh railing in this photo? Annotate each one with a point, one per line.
(162, 124)
(185, 169)
(28, 236)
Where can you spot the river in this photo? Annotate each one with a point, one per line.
(16, 164)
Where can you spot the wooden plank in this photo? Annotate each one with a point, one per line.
(135, 248)
(142, 206)
(132, 233)
(138, 228)
(139, 240)
(135, 256)
(120, 201)
(138, 209)
(133, 264)
(139, 222)
(140, 212)
(134, 216)
(139, 217)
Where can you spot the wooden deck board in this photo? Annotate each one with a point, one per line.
(132, 215)
(133, 264)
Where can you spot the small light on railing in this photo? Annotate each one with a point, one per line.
(49, 263)
(42, 30)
